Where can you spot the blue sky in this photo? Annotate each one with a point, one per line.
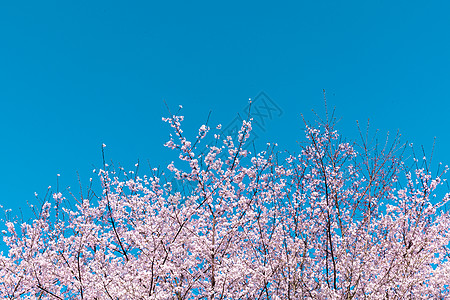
(76, 74)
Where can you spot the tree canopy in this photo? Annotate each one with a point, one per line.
(338, 220)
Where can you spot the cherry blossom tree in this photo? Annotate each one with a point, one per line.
(338, 220)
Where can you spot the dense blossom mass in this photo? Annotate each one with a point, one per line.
(338, 220)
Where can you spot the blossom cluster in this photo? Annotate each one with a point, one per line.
(332, 222)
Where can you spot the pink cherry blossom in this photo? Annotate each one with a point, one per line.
(339, 220)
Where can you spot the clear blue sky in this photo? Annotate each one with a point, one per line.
(76, 74)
